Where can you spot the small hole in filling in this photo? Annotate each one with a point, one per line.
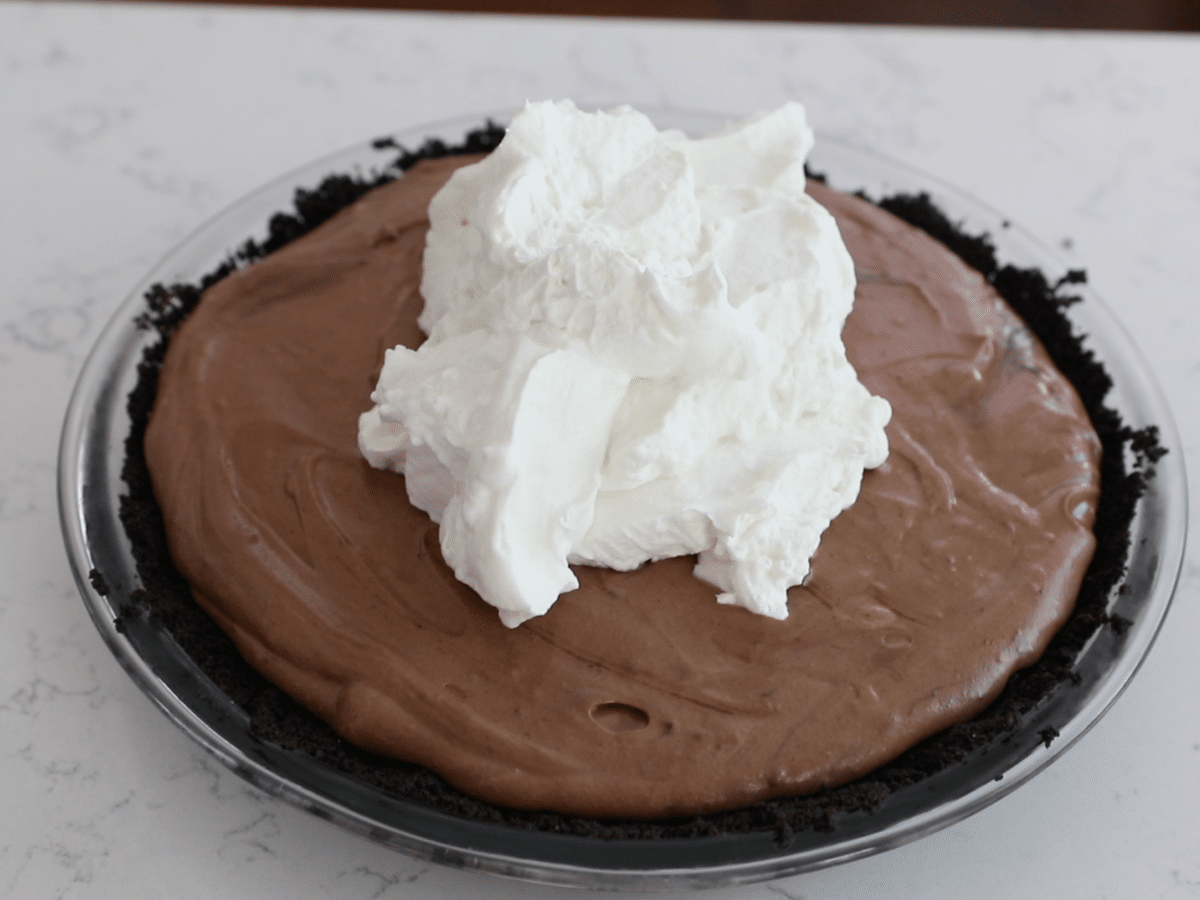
(619, 717)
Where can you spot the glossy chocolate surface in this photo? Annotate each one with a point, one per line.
(637, 695)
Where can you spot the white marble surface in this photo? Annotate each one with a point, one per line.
(124, 127)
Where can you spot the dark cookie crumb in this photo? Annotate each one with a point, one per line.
(277, 719)
(99, 582)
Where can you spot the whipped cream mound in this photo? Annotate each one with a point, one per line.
(634, 353)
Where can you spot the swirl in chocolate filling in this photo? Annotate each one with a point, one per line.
(637, 695)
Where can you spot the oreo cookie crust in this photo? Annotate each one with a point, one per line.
(166, 597)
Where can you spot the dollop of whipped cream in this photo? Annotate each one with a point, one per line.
(634, 353)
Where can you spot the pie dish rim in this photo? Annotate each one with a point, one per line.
(92, 452)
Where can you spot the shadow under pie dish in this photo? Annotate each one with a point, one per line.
(255, 730)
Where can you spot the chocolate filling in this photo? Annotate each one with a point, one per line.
(274, 714)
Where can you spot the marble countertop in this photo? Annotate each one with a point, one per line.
(126, 126)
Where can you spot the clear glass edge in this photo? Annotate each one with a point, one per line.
(244, 218)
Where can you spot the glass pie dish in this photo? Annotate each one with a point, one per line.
(92, 454)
